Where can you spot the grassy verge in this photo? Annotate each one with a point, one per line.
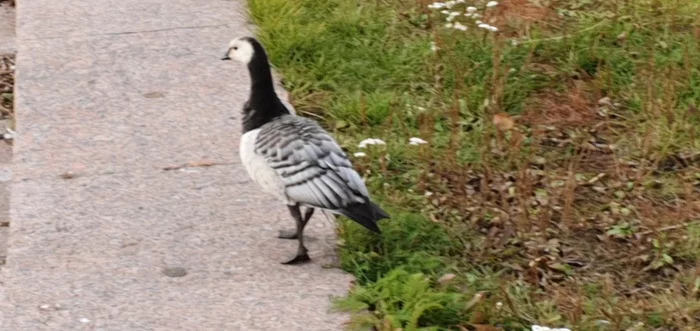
(560, 183)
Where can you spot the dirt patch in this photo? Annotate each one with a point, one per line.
(520, 15)
(576, 211)
(574, 107)
(546, 225)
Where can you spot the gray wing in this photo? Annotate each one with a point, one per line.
(314, 169)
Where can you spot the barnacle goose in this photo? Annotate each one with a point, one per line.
(293, 158)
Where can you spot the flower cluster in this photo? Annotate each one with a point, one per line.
(416, 141)
(488, 27)
(451, 13)
(544, 328)
(370, 141)
(376, 141)
(446, 4)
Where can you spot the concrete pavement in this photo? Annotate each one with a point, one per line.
(7, 29)
(104, 233)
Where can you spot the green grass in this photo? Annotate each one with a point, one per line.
(507, 199)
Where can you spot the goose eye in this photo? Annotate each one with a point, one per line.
(235, 48)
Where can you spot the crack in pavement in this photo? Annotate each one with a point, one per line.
(120, 33)
(68, 175)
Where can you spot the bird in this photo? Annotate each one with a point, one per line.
(294, 159)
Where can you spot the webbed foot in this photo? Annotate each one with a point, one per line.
(301, 257)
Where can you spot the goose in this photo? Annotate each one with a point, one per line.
(292, 158)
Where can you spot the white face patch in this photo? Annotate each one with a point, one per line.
(240, 50)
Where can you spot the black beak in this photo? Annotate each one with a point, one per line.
(225, 58)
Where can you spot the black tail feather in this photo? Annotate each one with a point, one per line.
(366, 214)
(379, 212)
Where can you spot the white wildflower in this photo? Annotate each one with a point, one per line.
(499, 305)
(446, 12)
(448, 25)
(544, 328)
(488, 27)
(360, 154)
(471, 9)
(428, 194)
(450, 4)
(460, 26)
(492, 4)
(514, 42)
(467, 14)
(436, 5)
(370, 141)
(478, 22)
(416, 141)
(476, 15)
(452, 15)
(434, 48)
(461, 1)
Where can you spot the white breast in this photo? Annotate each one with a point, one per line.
(258, 170)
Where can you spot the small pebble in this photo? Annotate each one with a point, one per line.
(84, 320)
(175, 272)
(44, 307)
(153, 95)
(68, 175)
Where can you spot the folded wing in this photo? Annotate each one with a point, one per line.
(314, 169)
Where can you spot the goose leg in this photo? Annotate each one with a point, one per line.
(292, 234)
(302, 254)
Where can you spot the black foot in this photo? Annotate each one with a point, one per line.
(298, 259)
(288, 234)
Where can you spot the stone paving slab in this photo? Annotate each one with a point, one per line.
(5, 181)
(44, 19)
(133, 105)
(106, 240)
(102, 250)
(7, 29)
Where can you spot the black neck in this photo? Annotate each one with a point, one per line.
(263, 104)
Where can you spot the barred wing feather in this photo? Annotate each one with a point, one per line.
(313, 168)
